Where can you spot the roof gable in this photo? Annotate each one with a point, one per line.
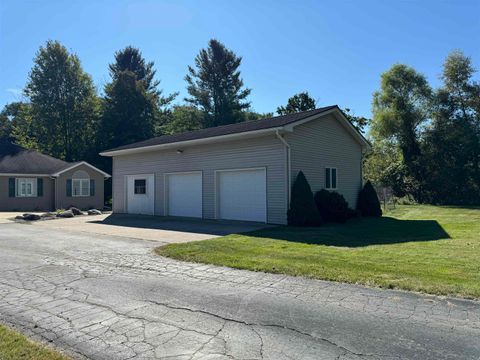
(229, 131)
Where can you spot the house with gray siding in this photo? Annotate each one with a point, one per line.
(31, 181)
(240, 171)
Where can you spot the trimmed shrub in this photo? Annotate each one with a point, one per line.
(302, 211)
(368, 203)
(332, 206)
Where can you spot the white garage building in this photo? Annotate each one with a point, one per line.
(240, 171)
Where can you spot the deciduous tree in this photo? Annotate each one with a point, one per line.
(400, 109)
(64, 106)
(298, 102)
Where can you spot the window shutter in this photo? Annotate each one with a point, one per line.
(92, 187)
(69, 187)
(327, 178)
(39, 187)
(11, 187)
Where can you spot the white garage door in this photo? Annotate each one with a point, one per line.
(184, 194)
(242, 195)
(141, 194)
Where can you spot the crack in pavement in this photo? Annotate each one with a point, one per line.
(115, 299)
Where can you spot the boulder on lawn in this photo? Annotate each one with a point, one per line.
(76, 211)
(94, 212)
(66, 214)
(31, 217)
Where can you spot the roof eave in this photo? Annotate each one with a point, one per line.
(288, 128)
(201, 141)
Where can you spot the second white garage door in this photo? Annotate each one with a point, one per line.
(242, 195)
(184, 194)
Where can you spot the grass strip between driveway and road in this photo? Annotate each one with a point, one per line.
(14, 346)
(430, 249)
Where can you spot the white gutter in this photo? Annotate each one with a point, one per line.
(179, 144)
(288, 166)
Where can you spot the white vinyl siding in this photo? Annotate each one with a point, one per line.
(324, 143)
(262, 152)
(26, 187)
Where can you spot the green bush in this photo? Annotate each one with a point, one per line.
(332, 206)
(303, 211)
(368, 203)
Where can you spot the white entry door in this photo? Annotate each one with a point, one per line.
(242, 195)
(141, 194)
(184, 194)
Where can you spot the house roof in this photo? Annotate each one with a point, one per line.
(248, 126)
(17, 160)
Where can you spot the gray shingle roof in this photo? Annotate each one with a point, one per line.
(261, 124)
(16, 160)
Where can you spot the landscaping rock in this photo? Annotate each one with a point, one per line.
(66, 214)
(31, 217)
(94, 212)
(48, 215)
(76, 211)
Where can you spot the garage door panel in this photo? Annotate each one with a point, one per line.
(242, 195)
(184, 194)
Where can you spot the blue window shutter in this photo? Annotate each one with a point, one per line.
(11, 187)
(39, 187)
(69, 187)
(92, 187)
(327, 178)
(334, 178)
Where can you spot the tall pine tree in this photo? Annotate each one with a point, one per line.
(215, 85)
(133, 101)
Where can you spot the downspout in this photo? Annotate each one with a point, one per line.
(288, 166)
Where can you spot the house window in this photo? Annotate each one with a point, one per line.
(26, 187)
(80, 184)
(330, 178)
(140, 187)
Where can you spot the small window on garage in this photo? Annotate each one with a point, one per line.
(140, 187)
(330, 178)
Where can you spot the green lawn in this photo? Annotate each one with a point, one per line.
(14, 346)
(423, 248)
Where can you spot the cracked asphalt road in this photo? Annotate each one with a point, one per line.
(104, 297)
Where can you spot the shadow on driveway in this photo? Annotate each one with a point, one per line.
(189, 225)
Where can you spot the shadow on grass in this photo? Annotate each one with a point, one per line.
(359, 232)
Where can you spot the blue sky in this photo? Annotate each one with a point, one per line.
(334, 49)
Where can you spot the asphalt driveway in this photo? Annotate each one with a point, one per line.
(107, 297)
